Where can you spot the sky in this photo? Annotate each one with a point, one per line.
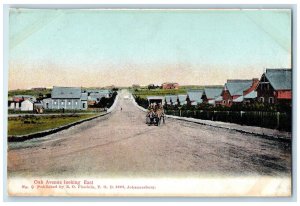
(94, 48)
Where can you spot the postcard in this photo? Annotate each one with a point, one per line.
(150, 102)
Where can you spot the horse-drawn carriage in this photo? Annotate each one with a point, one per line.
(155, 115)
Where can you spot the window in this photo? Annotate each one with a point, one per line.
(76, 103)
(262, 100)
(224, 102)
(47, 105)
(271, 100)
(55, 102)
(62, 103)
(69, 102)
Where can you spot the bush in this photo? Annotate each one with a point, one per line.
(141, 102)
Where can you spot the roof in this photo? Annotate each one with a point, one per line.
(169, 83)
(38, 103)
(251, 95)
(26, 96)
(182, 97)
(47, 100)
(212, 101)
(84, 96)
(280, 79)
(170, 98)
(19, 98)
(237, 86)
(195, 95)
(212, 92)
(95, 96)
(239, 99)
(155, 97)
(28, 100)
(219, 98)
(105, 91)
(66, 93)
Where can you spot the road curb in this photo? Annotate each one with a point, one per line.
(21, 138)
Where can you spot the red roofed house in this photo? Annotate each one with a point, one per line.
(275, 86)
(234, 91)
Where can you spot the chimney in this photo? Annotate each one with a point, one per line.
(255, 82)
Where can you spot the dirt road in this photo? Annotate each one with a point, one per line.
(122, 144)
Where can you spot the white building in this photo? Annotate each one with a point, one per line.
(27, 105)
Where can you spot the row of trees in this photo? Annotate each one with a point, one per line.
(141, 101)
(280, 107)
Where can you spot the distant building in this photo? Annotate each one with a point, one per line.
(39, 88)
(15, 102)
(182, 99)
(14, 105)
(234, 91)
(250, 95)
(98, 93)
(171, 100)
(194, 97)
(168, 85)
(66, 98)
(210, 94)
(27, 105)
(275, 86)
(47, 103)
(136, 86)
(20, 98)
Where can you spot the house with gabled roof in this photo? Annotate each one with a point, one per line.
(249, 95)
(70, 98)
(275, 86)
(20, 98)
(27, 105)
(194, 97)
(182, 99)
(210, 94)
(235, 89)
(171, 100)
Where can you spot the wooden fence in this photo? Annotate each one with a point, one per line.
(273, 120)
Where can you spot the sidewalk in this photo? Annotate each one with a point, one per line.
(260, 131)
(271, 133)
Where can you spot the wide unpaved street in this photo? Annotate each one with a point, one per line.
(122, 144)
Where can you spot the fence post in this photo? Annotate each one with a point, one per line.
(242, 121)
(278, 118)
